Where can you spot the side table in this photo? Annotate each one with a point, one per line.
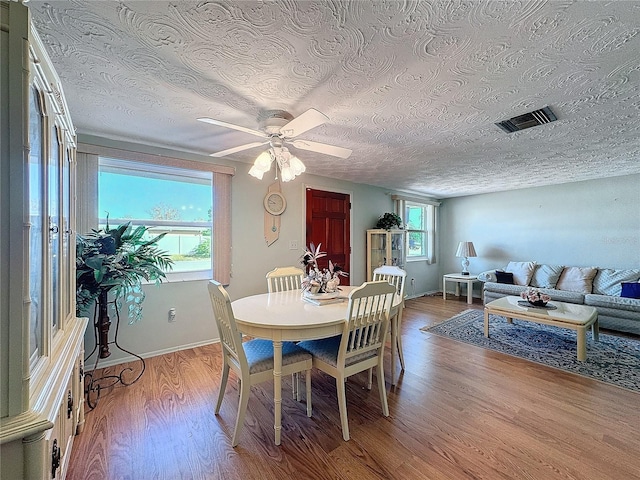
(458, 278)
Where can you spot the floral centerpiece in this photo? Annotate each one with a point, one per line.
(535, 297)
(320, 281)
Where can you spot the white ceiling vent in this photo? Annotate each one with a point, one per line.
(531, 119)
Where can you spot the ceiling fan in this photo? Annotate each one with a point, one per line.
(279, 127)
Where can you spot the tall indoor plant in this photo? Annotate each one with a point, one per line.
(110, 267)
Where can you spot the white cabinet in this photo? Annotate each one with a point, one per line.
(385, 247)
(41, 339)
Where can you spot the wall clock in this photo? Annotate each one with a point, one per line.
(275, 203)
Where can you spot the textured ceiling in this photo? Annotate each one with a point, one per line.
(414, 88)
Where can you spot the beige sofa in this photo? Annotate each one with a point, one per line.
(598, 287)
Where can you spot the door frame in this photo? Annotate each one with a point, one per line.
(304, 214)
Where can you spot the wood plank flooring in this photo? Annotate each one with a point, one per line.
(458, 412)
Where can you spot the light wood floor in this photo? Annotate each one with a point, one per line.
(458, 412)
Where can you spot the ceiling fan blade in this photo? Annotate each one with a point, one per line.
(250, 131)
(229, 151)
(321, 148)
(306, 121)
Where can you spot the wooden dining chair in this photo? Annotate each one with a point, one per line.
(252, 361)
(284, 278)
(396, 277)
(361, 344)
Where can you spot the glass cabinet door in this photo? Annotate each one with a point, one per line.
(54, 228)
(36, 221)
(397, 249)
(377, 244)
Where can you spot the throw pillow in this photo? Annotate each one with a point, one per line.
(546, 276)
(608, 281)
(630, 290)
(504, 277)
(522, 272)
(577, 279)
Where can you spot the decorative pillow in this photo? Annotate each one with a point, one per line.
(608, 280)
(546, 276)
(488, 276)
(630, 290)
(522, 272)
(577, 279)
(504, 277)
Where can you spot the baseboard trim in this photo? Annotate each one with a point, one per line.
(130, 358)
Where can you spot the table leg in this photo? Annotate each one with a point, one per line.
(469, 293)
(581, 334)
(486, 323)
(595, 330)
(277, 388)
(444, 288)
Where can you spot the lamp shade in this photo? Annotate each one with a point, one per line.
(465, 249)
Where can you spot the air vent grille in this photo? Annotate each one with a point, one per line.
(528, 120)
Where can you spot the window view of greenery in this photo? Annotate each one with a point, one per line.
(416, 230)
(165, 199)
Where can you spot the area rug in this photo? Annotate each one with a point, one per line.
(614, 360)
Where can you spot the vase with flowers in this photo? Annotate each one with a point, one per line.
(535, 297)
(319, 281)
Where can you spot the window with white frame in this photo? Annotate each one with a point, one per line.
(166, 199)
(188, 199)
(419, 220)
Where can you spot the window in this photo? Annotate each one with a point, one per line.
(169, 200)
(208, 229)
(419, 219)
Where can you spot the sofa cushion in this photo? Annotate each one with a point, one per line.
(522, 272)
(502, 289)
(546, 276)
(630, 290)
(610, 303)
(577, 279)
(608, 280)
(504, 277)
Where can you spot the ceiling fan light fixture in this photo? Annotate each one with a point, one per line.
(256, 172)
(296, 165)
(264, 160)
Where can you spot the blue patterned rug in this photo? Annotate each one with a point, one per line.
(613, 359)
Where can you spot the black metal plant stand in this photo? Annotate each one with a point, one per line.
(101, 325)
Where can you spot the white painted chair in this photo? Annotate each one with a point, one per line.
(361, 344)
(284, 278)
(396, 277)
(281, 279)
(252, 361)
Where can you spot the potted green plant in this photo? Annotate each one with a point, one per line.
(388, 221)
(113, 263)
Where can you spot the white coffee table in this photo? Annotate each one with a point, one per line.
(458, 278)
(565, 315)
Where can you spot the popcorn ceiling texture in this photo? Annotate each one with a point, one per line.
(414, 88)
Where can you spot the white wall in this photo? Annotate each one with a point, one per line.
(251, 258)
(590, 223)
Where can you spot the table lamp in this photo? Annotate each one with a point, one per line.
(466, 250)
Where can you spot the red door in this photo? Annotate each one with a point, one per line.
(328, 223)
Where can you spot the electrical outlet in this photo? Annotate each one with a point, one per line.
(172, 315)
(293, 244)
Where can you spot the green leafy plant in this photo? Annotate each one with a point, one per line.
(118, 260)
(389, 221)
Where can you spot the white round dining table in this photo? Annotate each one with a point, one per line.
(286, 316)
